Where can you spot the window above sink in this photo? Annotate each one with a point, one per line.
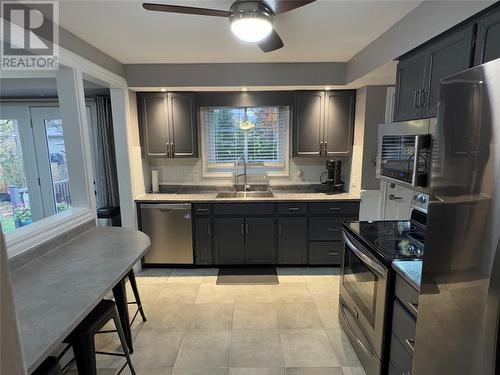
(260, 134)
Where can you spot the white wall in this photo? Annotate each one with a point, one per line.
(189, 172)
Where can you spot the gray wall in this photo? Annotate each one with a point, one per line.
(253, 74)
(374, 115)
(72, 43)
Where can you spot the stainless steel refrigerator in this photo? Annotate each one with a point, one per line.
(459, 306)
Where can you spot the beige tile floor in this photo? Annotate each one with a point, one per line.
(196, 327)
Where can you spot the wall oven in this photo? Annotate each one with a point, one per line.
(363, 293)
(404, 153)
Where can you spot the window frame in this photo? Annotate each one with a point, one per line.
(225, 170)
(46, 228)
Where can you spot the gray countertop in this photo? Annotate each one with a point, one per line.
(53, 293)
(278, 196)
(410, 270)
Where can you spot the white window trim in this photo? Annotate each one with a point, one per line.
(207, 172)
(25, 238)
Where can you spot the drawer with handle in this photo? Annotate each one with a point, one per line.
(326, 228)
(334, 208)
(404, 327)
(399, 357)
(407, 295)
(290, 208)
(325, 253)
(202, 209)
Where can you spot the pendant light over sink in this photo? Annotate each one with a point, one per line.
(251, 20)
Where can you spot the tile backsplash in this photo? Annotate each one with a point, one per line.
(189, 172)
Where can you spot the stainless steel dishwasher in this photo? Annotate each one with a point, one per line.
(169, 227)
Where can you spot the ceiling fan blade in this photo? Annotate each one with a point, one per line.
(282, 6)
(271, 43)
(186, 10)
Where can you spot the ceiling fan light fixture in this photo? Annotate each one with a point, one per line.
(251, 27)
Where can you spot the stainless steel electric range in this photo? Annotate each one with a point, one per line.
(370, 247)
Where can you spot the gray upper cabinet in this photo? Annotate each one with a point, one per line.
(444, 58)
(308, 123)
(153, 120)
(323, 123)
(488, 38)
(419, 75)
(339, 123)
(409, 83)
(168, 123)
(182, 125)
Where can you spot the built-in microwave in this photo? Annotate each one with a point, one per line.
(405, 153)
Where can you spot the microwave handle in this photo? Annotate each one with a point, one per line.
(374, 266)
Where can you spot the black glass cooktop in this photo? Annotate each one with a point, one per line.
(391, 239)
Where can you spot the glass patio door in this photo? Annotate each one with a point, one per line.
(20, 194)
(52, 162)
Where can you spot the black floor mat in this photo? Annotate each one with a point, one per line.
(247, 276)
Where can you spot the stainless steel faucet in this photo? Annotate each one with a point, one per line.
(236, 175)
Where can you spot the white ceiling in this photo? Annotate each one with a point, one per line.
(327, 30)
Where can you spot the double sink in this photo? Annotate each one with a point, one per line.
(245, 194)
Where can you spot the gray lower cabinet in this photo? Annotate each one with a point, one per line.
(292, 240)
(403, 328)
(270, 233)
(168, 124)
(203, 254)
(229, 240)
(260, 242)
(325, 253)
(488, 38)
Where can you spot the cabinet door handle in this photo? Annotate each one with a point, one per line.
(333, 229)
(334, 208)
(392, 197)
(413, 307)
(293, 208)
(321, 148)
(167, 146)
(325, 148)
(242, 229)
(209, 232)
(423, 96)
(333, 254)
(172, 149)
(202, 209)
(411, 344)
(246, 227)
(416, 99)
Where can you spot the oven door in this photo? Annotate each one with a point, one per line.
(363, 292)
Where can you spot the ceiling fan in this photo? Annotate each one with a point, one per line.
(251, 20)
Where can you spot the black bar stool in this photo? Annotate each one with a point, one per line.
(120, 295)
(82, 338)
(48, 367)
(137, 301)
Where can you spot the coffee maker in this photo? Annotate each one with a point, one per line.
(333, 176)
